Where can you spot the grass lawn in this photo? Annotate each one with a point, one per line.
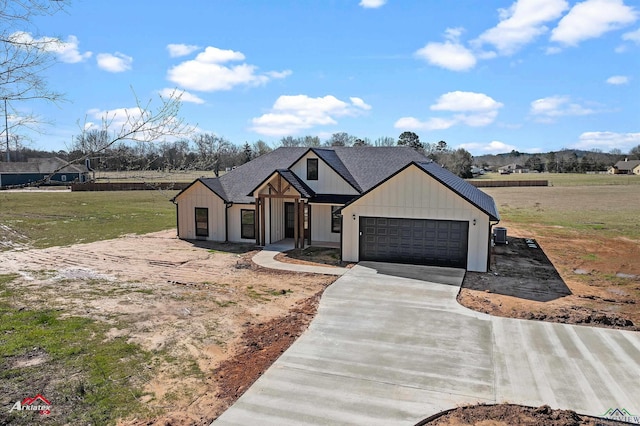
(567, 179)
(69, 360)
(47, 219)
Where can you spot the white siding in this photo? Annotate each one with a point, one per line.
(415, 194)
(235, 229)
(321, 224)
(329, 182)
(198, 195)
(277, 224)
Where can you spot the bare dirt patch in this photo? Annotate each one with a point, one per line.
(512, 415)
(580, 282)
(313, 256)
(196, 307)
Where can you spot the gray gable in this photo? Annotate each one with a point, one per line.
(627, 165)
(475, 196)
(239, 182)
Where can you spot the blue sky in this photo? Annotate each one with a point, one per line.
(489, 76)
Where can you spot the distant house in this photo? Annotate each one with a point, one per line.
(41, 170)
(512, 168)
(389, 204)
(625, 167)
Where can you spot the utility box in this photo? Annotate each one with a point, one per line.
(500, 235)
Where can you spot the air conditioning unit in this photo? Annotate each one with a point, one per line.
(500, 235)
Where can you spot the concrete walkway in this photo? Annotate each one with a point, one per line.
(387, 348)
(265, 258)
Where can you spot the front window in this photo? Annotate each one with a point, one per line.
(312, 169)
(202, 222)
(336, 225)
(248, 223)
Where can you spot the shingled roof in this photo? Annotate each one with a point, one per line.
(41, 166)
(363, 167)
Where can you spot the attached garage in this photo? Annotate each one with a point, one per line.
(422, 214)
(414, 241)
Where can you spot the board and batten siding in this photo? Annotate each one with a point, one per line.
(329, 182)
(321, 224)
(198, 195)
(414, 194)
(235, 223)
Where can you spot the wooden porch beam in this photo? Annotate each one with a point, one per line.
(296, 220)
(256, 227)
(263, 220)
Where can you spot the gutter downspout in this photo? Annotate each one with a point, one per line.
(227, 206)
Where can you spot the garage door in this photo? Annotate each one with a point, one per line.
(415, 241)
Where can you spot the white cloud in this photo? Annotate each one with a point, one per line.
(451, 54)
(292, 114)
(591, 19)
(632, 36)
(184, 95)
(372, 4)
(493, 147)
(607, 141)
(207, 72)
(117, 62)
(470, 108)
(618, 79)
(67, 51)
(177, 50)
(546, 110)
(521, 23)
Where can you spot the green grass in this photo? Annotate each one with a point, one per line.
(88, 378)
(567, 179)
(63, 218)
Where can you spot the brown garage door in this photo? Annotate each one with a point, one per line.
(415, 241)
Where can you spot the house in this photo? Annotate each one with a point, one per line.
(51, 170)
(625, 167)
(512, 168)
(376, 203)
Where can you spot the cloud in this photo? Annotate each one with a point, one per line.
(293, 114)
(177, 50)
(632, 36)
(591, 19)
(66, 51)
(546, 110)
(372, 4)
(520, 24)
(184, 95)
(493, 147)
(208, 72)
(469, 108)
(117, 62)
(607, 141)
(618, 79)
(451, 54)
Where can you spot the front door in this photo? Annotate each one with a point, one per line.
(289, 220)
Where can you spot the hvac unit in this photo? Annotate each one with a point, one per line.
(500, 235)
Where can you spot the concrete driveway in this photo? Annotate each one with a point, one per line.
(390, 345)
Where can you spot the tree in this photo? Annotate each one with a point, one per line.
(634, 153)
(23, 58)
(410, 139)
(362, 142)
(458, 162)
(260, 147)
(384, 141)
(441, 146)
(213, 150)
(247, 153)
(341, 139)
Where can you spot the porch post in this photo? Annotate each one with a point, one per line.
(263, 219)
(296, 219)
(301, 224)
(256, 226)
(309, 220)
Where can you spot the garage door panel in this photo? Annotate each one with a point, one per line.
(416, 241)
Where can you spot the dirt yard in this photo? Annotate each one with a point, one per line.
(215, 320)
(569, 280)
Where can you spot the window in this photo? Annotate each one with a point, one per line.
(202, 222)
(248, 224)
(63, 178)
(336, 223)
(312, 169)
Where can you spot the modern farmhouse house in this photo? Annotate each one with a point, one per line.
(376, 203)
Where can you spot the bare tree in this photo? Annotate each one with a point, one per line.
(24, 57)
